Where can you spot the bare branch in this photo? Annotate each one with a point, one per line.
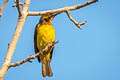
(2, 7)
(13, 43)
(60, 10)
(24, 60)
(78, 24)
(20, 3)
(18, 7)
(21, 19)
(32, 57)
(67, 10)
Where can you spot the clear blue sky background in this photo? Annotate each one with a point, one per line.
(89, 54)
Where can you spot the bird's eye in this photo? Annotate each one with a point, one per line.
(45, 20)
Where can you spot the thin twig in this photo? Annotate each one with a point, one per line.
(20, 3)
(32, 57)
(18, 7)
(2, 7)
(24, 60)
(78, 24)
(60, 10)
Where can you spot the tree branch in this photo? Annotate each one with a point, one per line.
(67, 10)
(2, 7)
(18, 7)
(20, 3)
(14, 5)
(34, 56)
(78, 24)
(60, 10)
(21, 19)
(24, 60)
(12, 45)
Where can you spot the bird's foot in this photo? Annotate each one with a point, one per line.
(41, 53)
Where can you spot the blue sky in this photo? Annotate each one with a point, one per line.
(89, 54)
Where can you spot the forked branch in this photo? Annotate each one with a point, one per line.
(21, 19)
(78, 24)
(60, 10)
(13, 43)
(67, 10)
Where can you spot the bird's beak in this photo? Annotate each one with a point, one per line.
(53, 16)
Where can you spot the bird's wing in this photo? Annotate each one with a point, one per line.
(35, 41)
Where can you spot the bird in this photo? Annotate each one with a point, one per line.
(45, 33)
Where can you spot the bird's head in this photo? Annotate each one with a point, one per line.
(47, 18)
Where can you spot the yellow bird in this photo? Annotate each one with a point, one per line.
(45, 33)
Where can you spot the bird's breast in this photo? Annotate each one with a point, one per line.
(45, 34)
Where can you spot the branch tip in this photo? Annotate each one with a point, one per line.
(78, 24)
(2, 7)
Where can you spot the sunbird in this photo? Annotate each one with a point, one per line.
(44, 34)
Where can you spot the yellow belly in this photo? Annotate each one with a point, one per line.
(45, 34)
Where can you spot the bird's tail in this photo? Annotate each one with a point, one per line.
(46, 69)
